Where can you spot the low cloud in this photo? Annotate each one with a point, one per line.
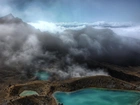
(66, 53)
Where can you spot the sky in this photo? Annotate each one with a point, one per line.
(73, 10)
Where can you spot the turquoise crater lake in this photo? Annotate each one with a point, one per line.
(98, 97)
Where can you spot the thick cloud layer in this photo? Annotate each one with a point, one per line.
(67, 53)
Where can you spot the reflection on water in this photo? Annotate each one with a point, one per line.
(98, 97)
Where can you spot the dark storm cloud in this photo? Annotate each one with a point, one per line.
(69, 53)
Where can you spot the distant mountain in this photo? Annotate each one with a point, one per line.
(10, 19)
(19, 24)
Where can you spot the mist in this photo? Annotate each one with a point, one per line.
(66, 52)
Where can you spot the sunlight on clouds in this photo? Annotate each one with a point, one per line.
(124, 29)
(47, 26)
(129, 31)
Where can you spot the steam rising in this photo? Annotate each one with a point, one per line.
(65, 53)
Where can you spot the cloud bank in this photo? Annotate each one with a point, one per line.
(70, 52)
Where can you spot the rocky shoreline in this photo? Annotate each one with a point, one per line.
(121, 78)
(45, 89)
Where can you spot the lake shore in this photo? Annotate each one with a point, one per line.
(121, 78)
(45, 89)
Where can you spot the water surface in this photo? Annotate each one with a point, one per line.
(42, 75)
(28, 93)
(98, 97)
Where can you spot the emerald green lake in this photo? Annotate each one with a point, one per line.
(28, 93)
(98, 97)
(42, 75)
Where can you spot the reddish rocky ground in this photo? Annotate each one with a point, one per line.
(12, 84)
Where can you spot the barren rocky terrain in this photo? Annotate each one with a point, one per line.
(126, 79)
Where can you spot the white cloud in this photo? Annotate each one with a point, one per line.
(123, 29)
(133, 32)
(47, 26)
